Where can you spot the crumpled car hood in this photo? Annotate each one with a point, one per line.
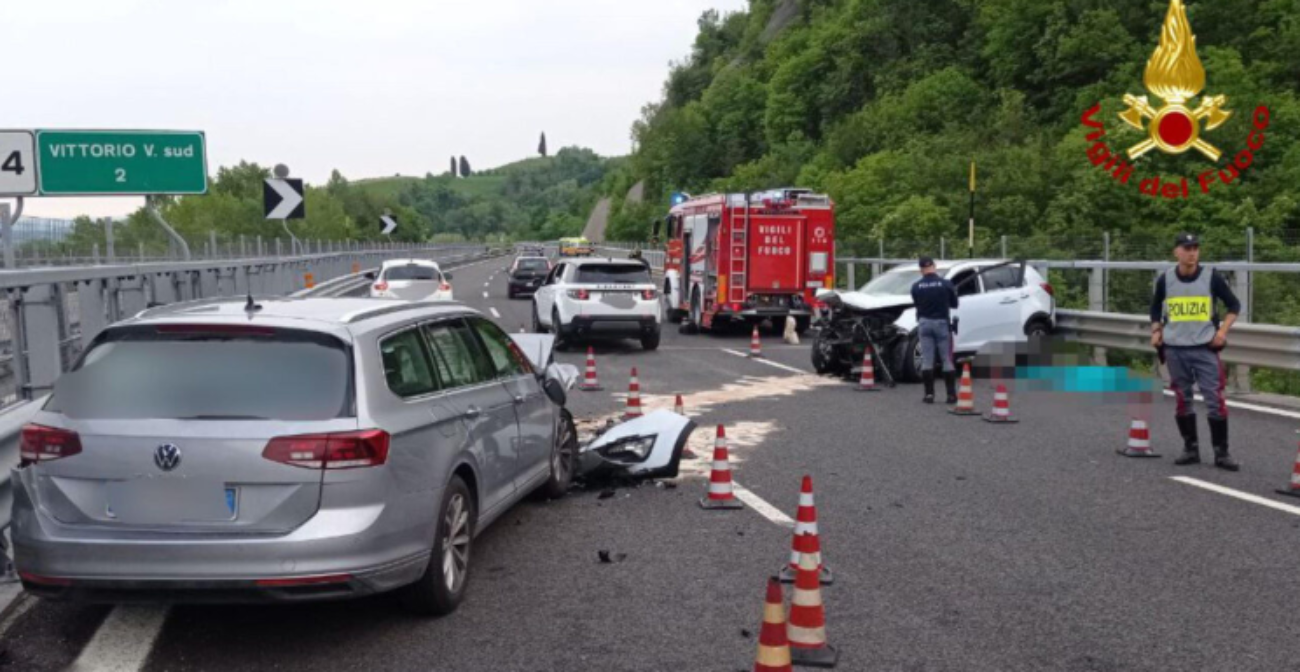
(860, 301)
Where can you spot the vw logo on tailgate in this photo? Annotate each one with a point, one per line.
(167, 457)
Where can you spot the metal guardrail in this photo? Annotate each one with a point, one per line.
(1262, 345)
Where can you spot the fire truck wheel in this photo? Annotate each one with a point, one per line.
(697, 312)
(801, 325)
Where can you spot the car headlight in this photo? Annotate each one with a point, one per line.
(633, 448)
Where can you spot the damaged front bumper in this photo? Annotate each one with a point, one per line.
(647, 447)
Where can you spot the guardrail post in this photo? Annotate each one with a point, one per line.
(943, 247)
(1004, 246)
(38, 318)
(1241, 287)
(141, 250)
(90, 302)
(261, 251)
(277, 248)
(94, 253)
(164, 288)
(1096, 302)
(852, 282)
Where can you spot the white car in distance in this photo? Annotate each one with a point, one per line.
(411, 280)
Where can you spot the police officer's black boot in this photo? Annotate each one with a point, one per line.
(1219, 439)
(927, 378)
(1191, 445)
(950, 382)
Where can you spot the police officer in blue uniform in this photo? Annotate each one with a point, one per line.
(935, 298)
(1186, 330)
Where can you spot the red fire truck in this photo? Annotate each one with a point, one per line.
(734, 258)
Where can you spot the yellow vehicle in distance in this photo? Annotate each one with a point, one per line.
(575, 247)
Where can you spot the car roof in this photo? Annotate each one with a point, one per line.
(410, 262)
(604, 261)
(343, 317)
(948, 264)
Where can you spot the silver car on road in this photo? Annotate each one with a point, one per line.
(291, 449)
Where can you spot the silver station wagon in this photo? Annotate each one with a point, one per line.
(287, 449)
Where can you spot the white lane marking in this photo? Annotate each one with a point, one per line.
(1243, 496)
(768, 362)
(1249, 407)
(124, 640)
(759, 505)
(487, 284)
(495, 313)
(485, 295)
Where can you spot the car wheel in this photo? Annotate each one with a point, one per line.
(561, 340)
(510, 293)
(564, 458)
(1037, 329)
(911, 358)
(650, 341)
(442, 587)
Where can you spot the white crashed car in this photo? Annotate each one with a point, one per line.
(412, 280)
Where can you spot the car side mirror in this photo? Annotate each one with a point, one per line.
(370, 275)
(555, 390)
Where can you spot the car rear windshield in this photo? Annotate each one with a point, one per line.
(412, 272)
(613, 274)
(209, 373)
(532, 265)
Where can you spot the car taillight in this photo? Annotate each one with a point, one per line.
(1047, 287)
(445, 287)
(39, 443)
(579, 294)
(649, 294)
(345, 450)
(381, 286)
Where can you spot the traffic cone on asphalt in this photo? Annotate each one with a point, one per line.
(805, 538)
(1294, 490)
(807, 629)
(868, 381)
(965, 395)
(773, 646)
(755, 346)
(589, 381)
(633, 398)
(720, 494)
(1139, 440)
(1001, 413)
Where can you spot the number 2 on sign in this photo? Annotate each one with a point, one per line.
(121, 174)
(13, 164)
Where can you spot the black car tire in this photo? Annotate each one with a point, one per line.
(802, 324)
(561, 338)
(537, 322)
(650, 341)
(909, 358)
(824, 360)
(564, 459)
(510, 292)
(431, 595)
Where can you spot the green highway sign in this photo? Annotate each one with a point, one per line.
(121, 163)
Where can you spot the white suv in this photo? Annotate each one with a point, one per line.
(993, 308)
(412, 280)
(598, 297)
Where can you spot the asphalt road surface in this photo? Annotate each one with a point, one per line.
(956, 545)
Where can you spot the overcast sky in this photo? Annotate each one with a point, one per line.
(371, 87)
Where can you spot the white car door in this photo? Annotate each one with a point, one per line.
(544, 297)
(973, 310)
(992, 312)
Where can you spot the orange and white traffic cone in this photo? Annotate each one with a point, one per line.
(720, 494)
(1001, 413)
(1139, 441)
(589, 381)
(868, 381)
(1294, 490)
(633, 398)
(773, 645)
(805, 538)
(755, 346)
(807, 629)
(965, 395)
